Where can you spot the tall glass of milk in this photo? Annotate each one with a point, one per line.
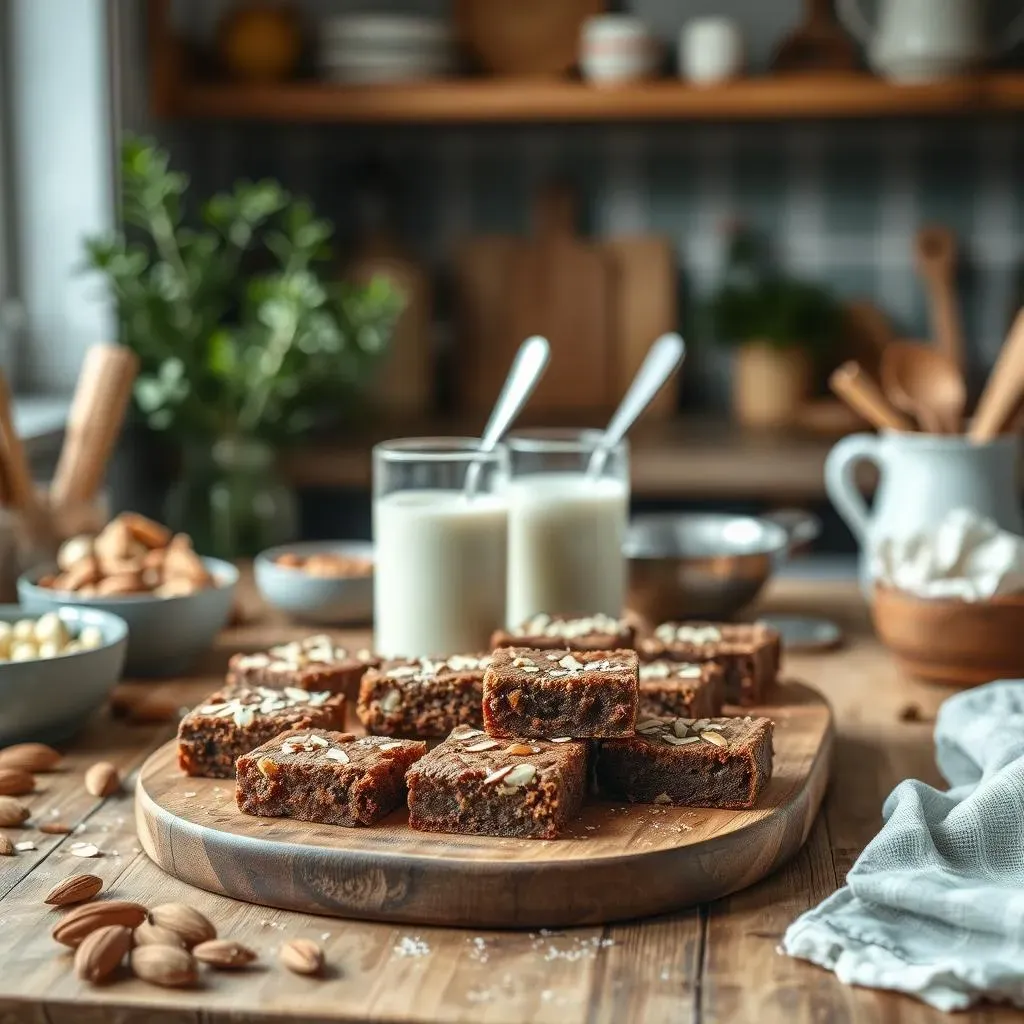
(440, 579)
(565, 527)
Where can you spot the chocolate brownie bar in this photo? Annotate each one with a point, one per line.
(315, 663)
(474, 784)
(681, 689)
(232, 722)
(560, 693)
(749, 653)
(328, 777)
(718, 762)
(424, 696)
(558, 632)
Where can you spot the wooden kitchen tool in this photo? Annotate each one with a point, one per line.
(94, 422)
(1004, 390)
(863, 395)
(924, 382)
(560, 286)
(818, 44)
(645, 307)
(17, 477)
(616, 861)
(935, 249)
(867, 332)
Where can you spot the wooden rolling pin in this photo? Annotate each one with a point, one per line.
(18, 490)
(864, 396)
(94, 422)
(1004, 390)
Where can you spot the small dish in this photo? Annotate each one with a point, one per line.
(956, 643)
(165, 634)
(324, 600)
(48, 699)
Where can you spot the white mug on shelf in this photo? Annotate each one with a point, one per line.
(710, 50)
(616, 48)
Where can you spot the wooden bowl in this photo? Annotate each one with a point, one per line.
(956, 643)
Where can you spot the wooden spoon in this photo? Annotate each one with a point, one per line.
(926, 383)
(864, 396)
(1005, 388)
(936, 262)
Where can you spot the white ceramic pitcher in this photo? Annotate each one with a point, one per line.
(921, 40)
(923, 477)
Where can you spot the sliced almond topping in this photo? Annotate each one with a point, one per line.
(559, 739)
(390, 746)
(570, 663)
(487, 744)
(497, 775)
(680, 727)
(677, 741)
(519, 776)
(714, 737)
(519, 749)
(337, 754)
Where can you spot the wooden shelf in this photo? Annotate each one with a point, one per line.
(473, 100)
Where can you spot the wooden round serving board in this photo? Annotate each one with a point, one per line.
(617, 861)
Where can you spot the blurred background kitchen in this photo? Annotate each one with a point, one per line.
(754, 173)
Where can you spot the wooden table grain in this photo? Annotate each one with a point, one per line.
(717, 963)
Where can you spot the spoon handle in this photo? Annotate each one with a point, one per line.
(527, 368)
(1004, 389)
(864, 396)
(659, 364)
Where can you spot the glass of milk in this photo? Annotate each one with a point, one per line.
(440, 553)
(565, 527)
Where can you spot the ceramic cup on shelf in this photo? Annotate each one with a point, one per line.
(616, 48)
(710, 50)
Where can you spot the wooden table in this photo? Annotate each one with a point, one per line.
(712, 963)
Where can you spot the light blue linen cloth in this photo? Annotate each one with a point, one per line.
(934, 906)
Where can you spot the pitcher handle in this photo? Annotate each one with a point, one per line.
(841, 485)
(855, 21)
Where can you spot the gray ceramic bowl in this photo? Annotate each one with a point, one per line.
(165, 634)
(325, 600)
(49, 699)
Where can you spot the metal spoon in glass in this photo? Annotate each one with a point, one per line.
(661, 361)
(527, 369)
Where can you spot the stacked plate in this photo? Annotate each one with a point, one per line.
(385, 48)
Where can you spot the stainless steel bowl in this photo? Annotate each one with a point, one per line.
(707, 565)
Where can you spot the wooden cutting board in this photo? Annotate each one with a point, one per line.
(617, 861)
(645, 307)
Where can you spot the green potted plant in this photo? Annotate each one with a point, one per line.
(778, 325)
(244, 343)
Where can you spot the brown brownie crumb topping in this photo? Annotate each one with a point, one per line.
(681, 732)
(569, 629)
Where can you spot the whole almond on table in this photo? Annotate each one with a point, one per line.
(149, 934)
(56, 828)
(101, 952)
(224, 953)
(72, 929)
(302, 956)
(16, 782)
(185, 921)
(102, 779)
(12, 813)
(164, 965)
(30, 757)
(76, 889)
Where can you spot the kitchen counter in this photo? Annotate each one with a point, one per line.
(715, 963)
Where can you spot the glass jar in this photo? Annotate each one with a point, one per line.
(566, 525)
(440, 547)
(231, 500)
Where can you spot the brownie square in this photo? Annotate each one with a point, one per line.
(423, 696)
(681, 689)
(315, 663)
(749, 653)
(232, 722)
(331, 778)
(542, 693)
(473, 784)
(720, 762)
(558, 632)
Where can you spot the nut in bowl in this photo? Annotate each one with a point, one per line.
(56, 669)
(323, 582)
(174, 601)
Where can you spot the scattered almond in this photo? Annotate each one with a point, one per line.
(12, 812)
(184, 921)
(153, 709)
(56, 828)
(224, 954)
(519, 749)
(164, 965)
(101, 952)
(149, 934)
(302, 956)
(15, 782)
(83, 920)
(30, 757)
(84, 850)
(6, 846)
(102, 779)
(75, 889)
